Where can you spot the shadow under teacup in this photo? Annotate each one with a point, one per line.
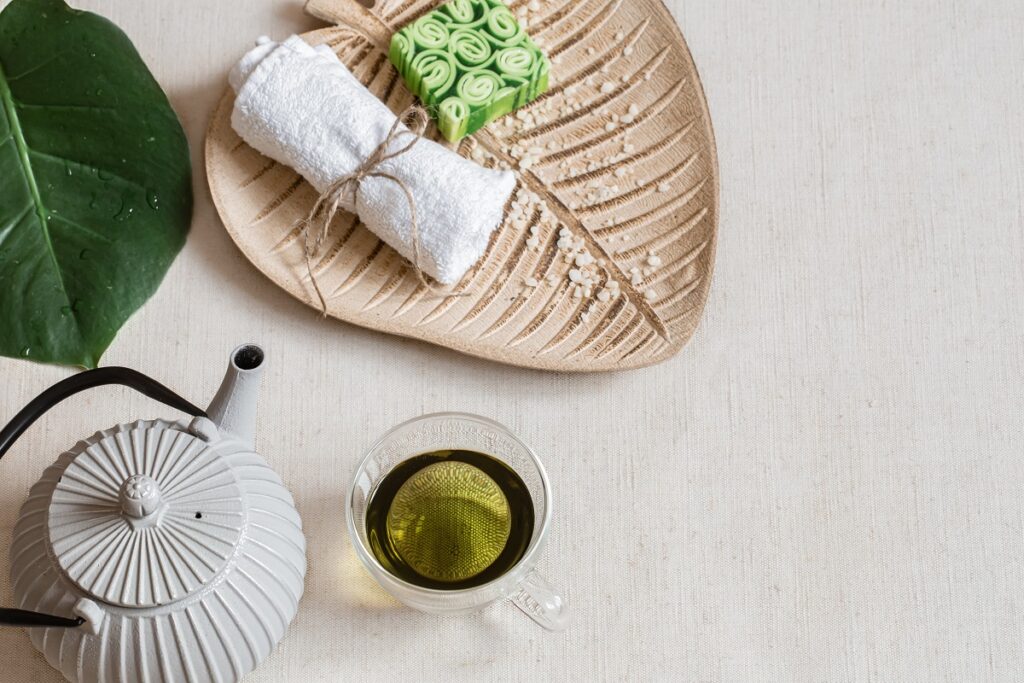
(449, 512)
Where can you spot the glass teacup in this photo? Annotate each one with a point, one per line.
(521, 584)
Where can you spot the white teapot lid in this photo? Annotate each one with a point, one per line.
(145, 517)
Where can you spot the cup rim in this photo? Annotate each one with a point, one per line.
(536, 543)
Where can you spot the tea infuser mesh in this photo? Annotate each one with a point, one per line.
(449, 521)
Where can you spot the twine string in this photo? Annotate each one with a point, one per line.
(316, 225)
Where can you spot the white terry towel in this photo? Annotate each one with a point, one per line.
(302, 107)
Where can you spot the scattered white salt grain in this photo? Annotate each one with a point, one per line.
(664, 187)
(654, 261)
(650, 295)
(531, 282)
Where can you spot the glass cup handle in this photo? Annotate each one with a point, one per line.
(542, 602)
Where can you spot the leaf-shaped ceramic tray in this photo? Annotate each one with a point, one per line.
(631, 182)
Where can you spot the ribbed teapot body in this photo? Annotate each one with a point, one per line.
(183, 550)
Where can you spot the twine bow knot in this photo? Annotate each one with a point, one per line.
(329, 202)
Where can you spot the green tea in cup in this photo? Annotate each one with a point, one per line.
(449, 512)
(450, 519)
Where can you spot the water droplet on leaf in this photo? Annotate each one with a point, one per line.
(125, 213)
(153, 200)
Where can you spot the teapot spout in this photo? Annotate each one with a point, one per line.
(233, 409)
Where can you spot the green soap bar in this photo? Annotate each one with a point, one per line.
(469, 62)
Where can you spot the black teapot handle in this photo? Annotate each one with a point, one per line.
(48, 399)
(26, 619)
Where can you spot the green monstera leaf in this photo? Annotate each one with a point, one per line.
(95, 182)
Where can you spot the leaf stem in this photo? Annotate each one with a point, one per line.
(10, 110)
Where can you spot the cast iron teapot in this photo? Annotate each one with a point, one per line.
(158, 550)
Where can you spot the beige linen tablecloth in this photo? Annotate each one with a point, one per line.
(825, 485)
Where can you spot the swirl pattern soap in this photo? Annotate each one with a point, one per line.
(469, 62)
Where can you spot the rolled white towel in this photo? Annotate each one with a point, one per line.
(302, 107)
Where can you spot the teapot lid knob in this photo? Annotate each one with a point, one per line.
(140, 499)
